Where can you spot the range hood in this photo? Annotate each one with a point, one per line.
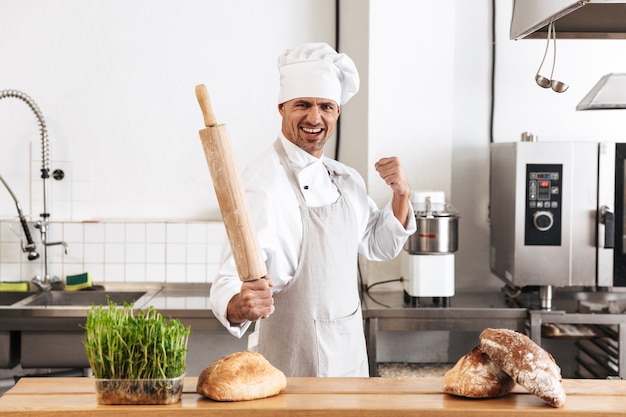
(608, 93)
(582, 19)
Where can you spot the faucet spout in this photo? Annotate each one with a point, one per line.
(29, 247)
(66, 247)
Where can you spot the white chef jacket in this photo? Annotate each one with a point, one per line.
(276, 218)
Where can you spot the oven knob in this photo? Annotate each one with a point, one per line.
(543, 220)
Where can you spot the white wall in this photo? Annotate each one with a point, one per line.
(470, 140)
(115, 82)
(406, 111)
(520, 105)
(523, 106)
(429, 98)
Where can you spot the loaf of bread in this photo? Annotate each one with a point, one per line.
(240, 376)
(476, 376)
(526, 362)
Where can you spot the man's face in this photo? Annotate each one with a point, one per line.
(309, 122)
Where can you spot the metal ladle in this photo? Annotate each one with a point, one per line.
(540, 79)
(556, 85)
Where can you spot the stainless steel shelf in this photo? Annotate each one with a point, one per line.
(603, 360)
(385, 310)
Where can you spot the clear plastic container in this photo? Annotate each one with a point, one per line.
(139, 391)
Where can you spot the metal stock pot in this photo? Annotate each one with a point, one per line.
(437, 229)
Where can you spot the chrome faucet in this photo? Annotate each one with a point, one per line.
(44, 282)
(29, 247)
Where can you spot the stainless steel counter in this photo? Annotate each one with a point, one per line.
(188, 302)
(50, 336)
(53, 329)
(48, 329)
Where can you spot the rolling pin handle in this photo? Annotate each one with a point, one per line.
(205, 105)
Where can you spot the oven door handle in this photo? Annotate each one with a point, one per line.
(607, 217)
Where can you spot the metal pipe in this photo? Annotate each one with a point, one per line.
(42, 225)
(545, 295)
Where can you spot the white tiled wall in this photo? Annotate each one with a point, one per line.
(173, 252)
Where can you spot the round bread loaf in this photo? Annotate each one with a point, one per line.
(476, 376)
(526, 362)
(240, 376)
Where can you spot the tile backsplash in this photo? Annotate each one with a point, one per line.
(117, 251)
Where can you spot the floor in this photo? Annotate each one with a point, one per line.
(402, 369)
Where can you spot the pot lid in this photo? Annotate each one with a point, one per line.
(428, 209)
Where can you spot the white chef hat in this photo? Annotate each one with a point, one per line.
(317, 70)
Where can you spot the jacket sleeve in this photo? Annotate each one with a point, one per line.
(225, 286)
(384, 235)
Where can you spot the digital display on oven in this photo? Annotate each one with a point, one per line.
(542, 186)
(542, 225)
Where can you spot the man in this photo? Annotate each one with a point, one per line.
(313, 217)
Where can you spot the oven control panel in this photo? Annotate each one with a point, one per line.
(542, 222)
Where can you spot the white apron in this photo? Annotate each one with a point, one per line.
(317, 326)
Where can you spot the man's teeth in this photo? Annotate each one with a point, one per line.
(307, 130)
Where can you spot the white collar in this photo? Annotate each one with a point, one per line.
(301, 159)
(298, 157)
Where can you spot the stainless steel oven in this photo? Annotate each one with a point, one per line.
(557, 214)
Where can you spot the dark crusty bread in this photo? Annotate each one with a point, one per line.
(526, 362)
(476, 376)
(240, 376)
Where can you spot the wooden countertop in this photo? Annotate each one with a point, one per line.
(345, 397)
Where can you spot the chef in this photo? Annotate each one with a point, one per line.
(313, 218)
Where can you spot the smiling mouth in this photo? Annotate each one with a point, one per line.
(312, 131)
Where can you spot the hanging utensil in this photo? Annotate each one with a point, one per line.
(540, 79)
(544, 82)
(556, 85)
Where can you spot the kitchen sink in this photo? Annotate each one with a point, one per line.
(84, 298)
(10, 298)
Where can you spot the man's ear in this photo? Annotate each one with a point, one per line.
(280, 109)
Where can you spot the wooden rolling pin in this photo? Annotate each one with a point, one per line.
(230, 195)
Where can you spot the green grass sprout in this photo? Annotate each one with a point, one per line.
(123, 345)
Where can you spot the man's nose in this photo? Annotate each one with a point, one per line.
(314, 114)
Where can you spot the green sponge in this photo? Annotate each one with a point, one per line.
(14, 286)
(78, 282)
